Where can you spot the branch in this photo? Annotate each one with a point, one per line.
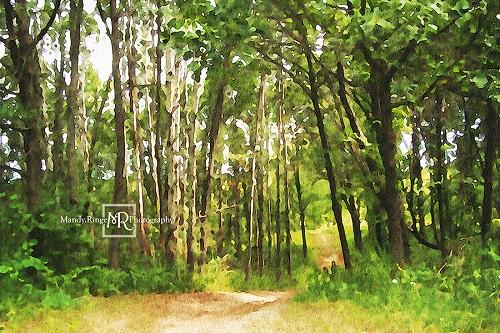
(357, 100)
(422, 240)
(9, 21)
(42, 32)
(366, 53)
(103, 16)
(291, 75)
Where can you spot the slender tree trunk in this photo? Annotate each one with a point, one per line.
(213, 135)
(158, 148)
(269, 205)
(356, 222)
(284, 152)
(336, 207)
(260, 218)
(440, 176)
(120, 189)
(75, 19)
(416, 212)
(220, 228)
(281, 96)
(95, 134)
(489, 159)
(301, 212)
(237, 223)
(191, 173)
(256, 170)
(173, 158)
(60, 86)
(137, 137)
(260, 172)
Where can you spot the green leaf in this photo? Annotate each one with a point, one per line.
(480, 81)
(5, 269)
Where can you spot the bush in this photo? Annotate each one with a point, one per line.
(454, 296)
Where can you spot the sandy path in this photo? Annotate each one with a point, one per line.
(172, 313)
(224, 312)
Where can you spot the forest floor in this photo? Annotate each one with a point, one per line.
(259, 311)
(219, 311)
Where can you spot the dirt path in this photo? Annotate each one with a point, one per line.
(219, 312)
(188, 312)
(224, 312)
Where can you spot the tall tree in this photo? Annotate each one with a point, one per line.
(74, 100)
(120, 193)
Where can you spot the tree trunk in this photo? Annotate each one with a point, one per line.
(301, 212)
(191, 173)
(237, 223)
(173, 159)
(284, 152)
(489, 159)
(120, 188)
(219, 239)
(75, 20)
(380, 93)
(281, 97)
(24, 55)
(159, 124)
(356, 222)
(260, 219)
(440, 176)
(336, 207)
(269, 206)
(416, 212)
(256, 169)
(60, 86)
(136, 135)
(213, 135)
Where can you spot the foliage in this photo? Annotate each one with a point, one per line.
(460, 294)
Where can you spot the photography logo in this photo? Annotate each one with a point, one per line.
(119, 221)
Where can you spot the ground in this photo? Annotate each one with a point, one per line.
(254, 311)
(262, 311)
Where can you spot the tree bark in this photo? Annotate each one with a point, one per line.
(356, 222)
(301, 212)
(213, 135)
(380, 93)
(120, 189)
(191, 173)
(136, 135)
(75, 20)
(440, 176)
(281, 97)
(489, 159)
(161, 182)
(173, 158)
(60, 86)
(24, 55)
(284, 156)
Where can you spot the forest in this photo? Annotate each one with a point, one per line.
(249, 166)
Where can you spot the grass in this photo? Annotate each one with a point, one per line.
(373, 297)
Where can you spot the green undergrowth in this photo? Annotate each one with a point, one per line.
(223, 274)
(458, 294)
(24, 296)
